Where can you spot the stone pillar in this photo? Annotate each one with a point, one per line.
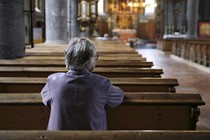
(69, 19)
(75, 31)
(56, 21)
(181, 15)
(207, 11)
(169, 16)
(170, 13)
(204, 11)
(192, 18)
(12, 29)
(160, 19)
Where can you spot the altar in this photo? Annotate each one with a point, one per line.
(125, 34)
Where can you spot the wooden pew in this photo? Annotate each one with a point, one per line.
(48, 51)
(6, 71)
(102, 47)
(101, 54)
(139, 111)
(59, 63)
(105, 135)
(32, 84)
(58, 50)
(101, 57)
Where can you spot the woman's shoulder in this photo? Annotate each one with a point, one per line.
(56, 75)
(100, 78)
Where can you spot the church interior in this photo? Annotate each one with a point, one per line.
(157, 51)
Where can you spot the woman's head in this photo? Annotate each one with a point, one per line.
(80, 53)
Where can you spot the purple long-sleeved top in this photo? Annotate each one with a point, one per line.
(78, 99)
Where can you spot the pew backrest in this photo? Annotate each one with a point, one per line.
(105, 135)
(7, 71)
(139, 111)
(32, 84)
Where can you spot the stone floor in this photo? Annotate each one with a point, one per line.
(190, 78)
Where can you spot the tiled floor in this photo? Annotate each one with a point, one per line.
(190, 79)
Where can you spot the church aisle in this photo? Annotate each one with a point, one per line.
(190, 79)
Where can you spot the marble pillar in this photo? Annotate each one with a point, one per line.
(75, 31)
(12, 35)
(192, 18)
(56, 21)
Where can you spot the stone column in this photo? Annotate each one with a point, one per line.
(69, 19)
(206, 10)
(169, 16)
(12, 36)
(56, 21)
(192, 18)
(75, 31)
(182, 16)
(170, 13)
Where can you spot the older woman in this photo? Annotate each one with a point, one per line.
(78, 98)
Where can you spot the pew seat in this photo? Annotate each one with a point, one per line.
(139, 111)
(6, 71)
(35, 84)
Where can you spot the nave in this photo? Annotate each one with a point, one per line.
(154, 106)
(191, 79)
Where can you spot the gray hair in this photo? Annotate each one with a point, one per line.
(79, 53)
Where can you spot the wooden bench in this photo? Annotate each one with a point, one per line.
(58, 50)
(101, 54)
(105, 135)
(32, 84)
(104, 47)
(6, 71)
(101, 57)
(48, 51)
(139, 111)
(59, 63)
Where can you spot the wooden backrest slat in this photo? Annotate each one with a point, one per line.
(33, 84)
(110, 72)
(144, 81)
(102, 63)
(106, 135)
(160, 98)
(97, 69)
(61, 58)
